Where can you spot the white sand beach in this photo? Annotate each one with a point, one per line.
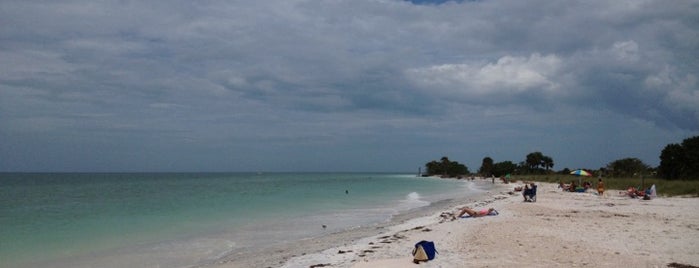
(561, 229)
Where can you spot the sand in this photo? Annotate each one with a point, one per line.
(559, 230)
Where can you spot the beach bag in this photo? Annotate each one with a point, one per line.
(424, 251)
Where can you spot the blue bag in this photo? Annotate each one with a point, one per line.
(424, 251)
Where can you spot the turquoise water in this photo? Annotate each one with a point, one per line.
(180, 220)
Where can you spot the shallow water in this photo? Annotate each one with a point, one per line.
(186, 219)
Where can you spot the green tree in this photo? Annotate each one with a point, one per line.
(671, 162)
(433, 167)
(456, 169)
(504, 168)
(445, 165)
(690, 147)
(627, 167)
(547, 162)
(486, 167)
(535, 162)
(680, 161)
(446, 168)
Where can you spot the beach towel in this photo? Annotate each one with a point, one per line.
(493, 213)
(424, 251)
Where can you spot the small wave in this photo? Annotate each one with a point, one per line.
(413, 200)
(413, 196)
(477, 187)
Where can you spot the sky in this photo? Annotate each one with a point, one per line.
(342, 85)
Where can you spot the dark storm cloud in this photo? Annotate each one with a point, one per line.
(315, 85)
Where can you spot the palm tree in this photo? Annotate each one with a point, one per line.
(534, 160)
(547, 162)
(486, 167)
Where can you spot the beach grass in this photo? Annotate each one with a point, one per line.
(664, 187)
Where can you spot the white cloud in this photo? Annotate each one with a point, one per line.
(509, 74)
(626, 51)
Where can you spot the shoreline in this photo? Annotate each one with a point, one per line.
(279, 255)
(559, 230)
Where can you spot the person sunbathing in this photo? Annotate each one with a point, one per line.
(633, 192)
(474, 213)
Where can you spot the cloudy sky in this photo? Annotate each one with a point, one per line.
(342, 85)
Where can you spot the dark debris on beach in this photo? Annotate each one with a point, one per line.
(680, 265)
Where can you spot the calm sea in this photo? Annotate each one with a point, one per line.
(186, 219)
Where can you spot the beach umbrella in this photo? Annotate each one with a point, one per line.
(580, 173)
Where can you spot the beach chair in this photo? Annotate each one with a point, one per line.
(530, 194)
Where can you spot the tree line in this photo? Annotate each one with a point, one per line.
(677, 161)
(446, 168)
(680, 161)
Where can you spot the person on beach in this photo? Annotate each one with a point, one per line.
(474, 213)
(529, 192)
(564, 187)
(600, 187)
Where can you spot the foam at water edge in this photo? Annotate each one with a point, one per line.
(474, 187)
(412, 200)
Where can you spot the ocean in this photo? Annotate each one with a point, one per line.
(191, 219)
